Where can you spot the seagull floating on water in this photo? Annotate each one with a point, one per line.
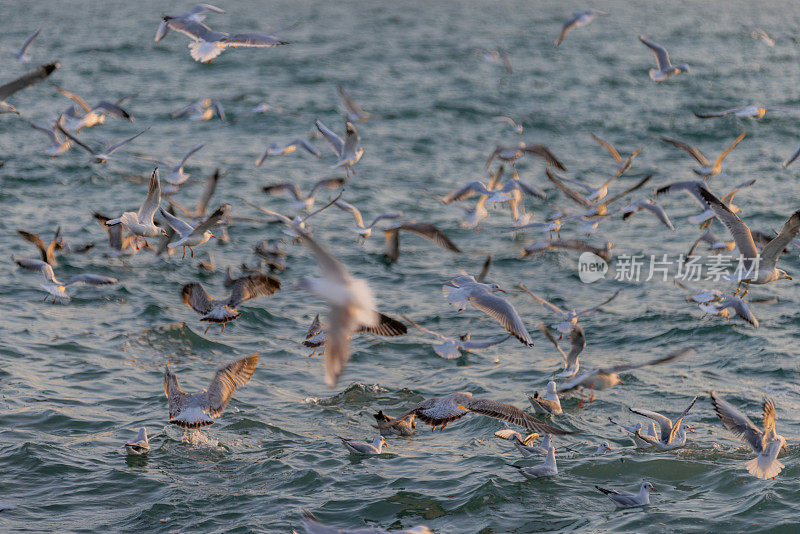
(402, 428)
(549, 405)
(627, 500)
(141, 446)
(525, 445)
(547, 469)
(368, 449)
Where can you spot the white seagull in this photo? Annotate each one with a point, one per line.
(466, 289)
(141, 223)
(141, 445)
(569, 319)
(707, 169)
(197, 234)
(546, 469)
(367, 449)
(626, 500)
(578, 20)
(665, 68)
(758, 268)
(354, 111)
(365, 230)
(550, 404)
(97, 156)
(281, 149)
(303, 202)
(450, 348)
(673, 435)
(55, 288)
(196, 410)
(176, 174)
(766, 443)
(348, 151)
(206, 43)
(58, 145)
(577, 342)
(92, 115)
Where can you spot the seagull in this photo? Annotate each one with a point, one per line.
(665, 68)
(201, 211)
(609, 376)
(176, 175)
(578, 20)
(513, 153)
(352, 306)
(354, 111)
(595, 209)
(31, 77)
(22, 54)
(206, 43)
(569, 244)
(367, 449)
(707, 170)
(317, 334)
(720, 307)
(508, 120)
(361, 230)
(693, 188)
(92, 115)
(466, 289)
(715, 244)
(141, 446)
(103, 155)
(303, 202)
(120, 244)
(428, 231)
(623, 164)
(47, 252)
(648, 205)
(197, 14)
(752, 111)
(202, 110)
(450, 348)
(525, 445)
(494, 56)
(141, 223)
(297, 225)
(197, 234)
(439, 411)
(549, 405)
(626, 500)
(512, 190)
(222, 311)
(403, 428)
(547, 469)
(55, 288)
(348, 151)
(312, 526)
(58, 145)
(673, 435)
(758, 268)
(569, 319)
(577, 342)
(766, 443)
(196, 410)
(273, 255)
(639, 440)
(279, 149)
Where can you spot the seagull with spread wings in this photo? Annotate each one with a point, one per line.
(665, 67)
(97, 156)
(223, 311)
(364, 231)
(194, 235)
(176, 175)
(317, 334)
(511, 153)
(347, 150)
(58, 289)
(707, 169)
(767, 443)
(196, 410)
(622, 164)
(281, 149)
(92, 115)
(577, 342)
(672, 435)
(428, 231)
(354, 111)
(450, 348)
(569, 319)
(22, 54)
(141, 223)
(578, 19)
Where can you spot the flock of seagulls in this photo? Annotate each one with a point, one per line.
(352, 305)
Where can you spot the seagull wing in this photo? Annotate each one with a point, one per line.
(220, 214)
(569, 192)
(692, 187)
(511, 414)
(772, 250)
(285, 187)
(152, 200)
(738, 423)
(472, 344)
(72, 96)
(252, 39)
(179, 225)
(658, 361)
(91, 279)
(662, 58)
(504, 312)
(29, 78)
(589, 310)
(250, 287)
(544, 153)
(28, 42)
(196, 298)
(387, 327)
(551, 307)
(689, 149)
(346, 206)
(113, 109)
(37, 266)
(609, 147)
(467, 190)
(715, 114)
(112, 149)
(553, 340)
(334, 140)
(738, 229)
(305, 145)
(431, 232)
(327, 183)
(226, 380)
(728, 150)
(484, 270)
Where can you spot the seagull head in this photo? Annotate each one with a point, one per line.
(495, 287)
(783, 274)
(648, 486)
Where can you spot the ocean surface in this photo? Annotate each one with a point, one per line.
(78, 379)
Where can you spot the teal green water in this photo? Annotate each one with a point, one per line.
(78, 379)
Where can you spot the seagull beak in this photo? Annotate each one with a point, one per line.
(653, 490)
(691, 429)
(212, 235)
(462, 408)
(503, 290)
(789, 277)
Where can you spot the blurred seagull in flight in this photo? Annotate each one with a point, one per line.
(569, 319)
(103, 155)
(176, 175)
(55, 288)
(450, 348)
(141, 223)
(197, 234)
(303, 202)
(22, 54)
(577, 342)
(365, 231)
(348, 151)
(665, 68)
(578, 20)
(92, 115)
(31, 77)
(354, 111)
(707, 170)
(281, 149)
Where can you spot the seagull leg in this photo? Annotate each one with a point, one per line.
(223, 328)
(591, 399)
(206, 330)
(746, 289)
(313, 352)
(146, 244)
(184, 253)
(192, 252)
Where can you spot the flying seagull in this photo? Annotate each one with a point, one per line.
(22, 54)
(707, 170)
(223, 311)
(450, 348)
(31, 77)
(348, 151)
(665, 68)
(578, 20)
(58, 289)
